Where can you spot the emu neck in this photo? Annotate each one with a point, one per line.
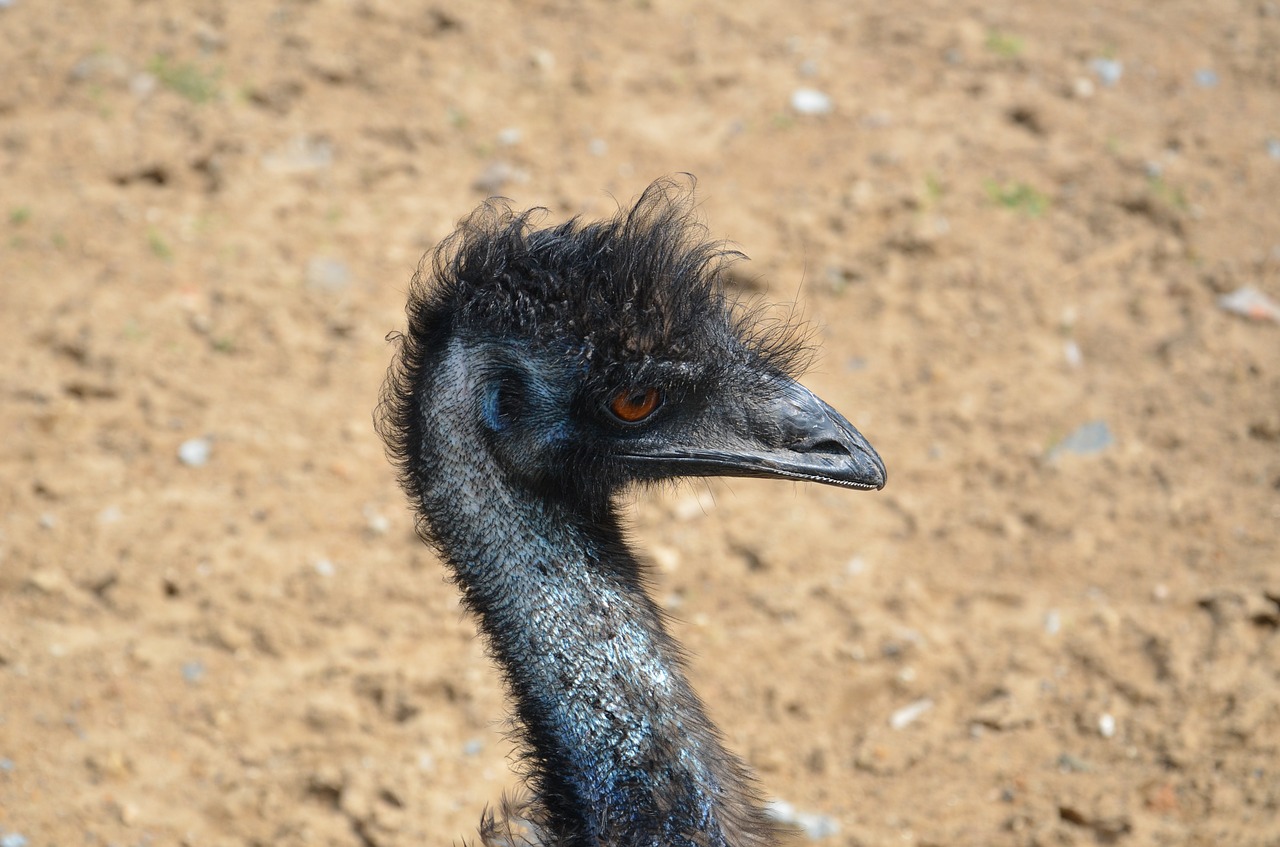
(619, 749)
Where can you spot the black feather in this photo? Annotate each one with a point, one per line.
(632, 301)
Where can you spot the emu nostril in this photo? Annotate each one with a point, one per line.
(821, 445)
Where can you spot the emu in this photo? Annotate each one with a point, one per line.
(544, 372)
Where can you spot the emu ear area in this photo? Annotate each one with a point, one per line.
(787, 432)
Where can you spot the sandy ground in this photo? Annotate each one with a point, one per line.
(1012, 229)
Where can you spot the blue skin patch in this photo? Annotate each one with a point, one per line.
(489, 410)
(550, 433)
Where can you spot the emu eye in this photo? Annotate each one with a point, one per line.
(634, 405)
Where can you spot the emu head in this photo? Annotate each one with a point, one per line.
(603, 354)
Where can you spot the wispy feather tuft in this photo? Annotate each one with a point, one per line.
(642, 290)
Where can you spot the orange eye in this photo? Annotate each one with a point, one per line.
(633, 406)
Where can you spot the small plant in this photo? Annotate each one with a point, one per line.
(1018, 197)
(1170, 195)
(20, 215)
(933, 189)
(1004, 45)
(159, 247)
(185, 79)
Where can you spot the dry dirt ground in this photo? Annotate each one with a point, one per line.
(1015, 221)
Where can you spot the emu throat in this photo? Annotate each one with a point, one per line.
(618, 747)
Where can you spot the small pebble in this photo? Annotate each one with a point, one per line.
(327, 274)
(48, 520)
(1085, 440)
(855, 566)
(666, 558)
(473, 747)
(376, 521)
(110, 515)
(13, 839)
(510, 136)
(695, 506)
(810, 101)
(542, 59)
(6, 765)
(1108, 71)
(597, 147)
(497, 175)
(101, 68)
(1071, 352)
(1052, 622)
(1249, 302)
(194, 452)
(1068, 763)
(910, 713)
(324, 567)
(143, 85)
(1273, 148)
(813, 825)
(1106, 725)
(193, 671)
(1206, 78)
(301, 154)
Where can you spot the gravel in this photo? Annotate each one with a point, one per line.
(193, 671)
(300, 155)
(1086, 440)
(194, 452)
(1106, 725)
(1108, 71)
(1249, 302)
(813, 825)
(1206, 78)
(910, 713)
(810, 101)
(327, 274)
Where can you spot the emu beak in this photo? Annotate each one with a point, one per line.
(792, 435)
(816, 443)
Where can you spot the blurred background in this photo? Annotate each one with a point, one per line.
(1040, 243)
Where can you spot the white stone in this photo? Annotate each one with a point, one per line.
(810, 101)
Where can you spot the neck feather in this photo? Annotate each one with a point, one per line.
(619, 749)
